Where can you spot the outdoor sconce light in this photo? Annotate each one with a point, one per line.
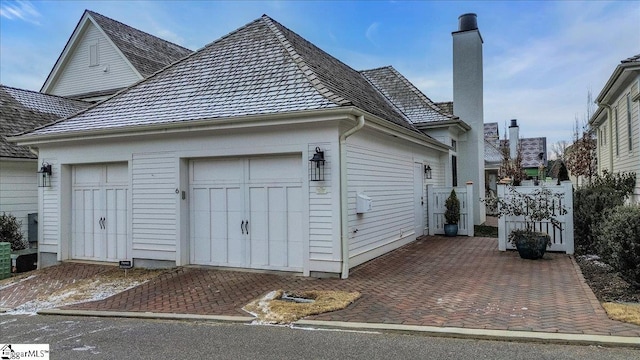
(427, 172)
(316, 166)
(44, 175)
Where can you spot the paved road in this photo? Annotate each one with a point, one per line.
(112, 338)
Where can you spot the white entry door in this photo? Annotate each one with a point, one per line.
(247, 212)
(99, 212)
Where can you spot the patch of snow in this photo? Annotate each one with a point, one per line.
(17, 282)
(96, 290)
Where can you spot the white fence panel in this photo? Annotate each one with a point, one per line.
(561, 239)
(436, 198)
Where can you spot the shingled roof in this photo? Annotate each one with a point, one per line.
(261, 68)
(23, 110)
(635, 58)
(531, 149)
(147, 53)
(405, 96)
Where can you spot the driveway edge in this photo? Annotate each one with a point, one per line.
(146, 315)
(485, 334)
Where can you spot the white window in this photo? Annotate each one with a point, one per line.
(93, 54)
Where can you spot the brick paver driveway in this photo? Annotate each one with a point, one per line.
(436, 281)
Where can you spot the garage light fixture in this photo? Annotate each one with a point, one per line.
(44, 175)
(427, 172)
(316, 166)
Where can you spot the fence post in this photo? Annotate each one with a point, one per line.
(502, 222)
(430, 207)
(568, 196)
(470, 220)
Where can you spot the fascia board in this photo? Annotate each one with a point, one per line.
(617, 79)
(189, 126)
(63, 57)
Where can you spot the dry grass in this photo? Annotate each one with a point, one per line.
(629, 313)
(272, 310)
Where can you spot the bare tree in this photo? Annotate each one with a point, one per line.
(581, 156)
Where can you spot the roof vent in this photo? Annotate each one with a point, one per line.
(467, 22)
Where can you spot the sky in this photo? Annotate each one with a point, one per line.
(541, 58)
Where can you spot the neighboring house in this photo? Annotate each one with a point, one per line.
(23, 110)
(103, 56)
(208, 162)
(533, 150)
(616, 122)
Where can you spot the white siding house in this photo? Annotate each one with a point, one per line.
(207, 162)
(103, 56)
(22, 110)
(616, 122)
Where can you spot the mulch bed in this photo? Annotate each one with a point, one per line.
(606, 283)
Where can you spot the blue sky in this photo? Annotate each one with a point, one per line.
(540, 57)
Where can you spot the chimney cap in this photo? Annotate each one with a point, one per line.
(467, 22)
(514, 123)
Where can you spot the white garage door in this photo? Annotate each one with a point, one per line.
(247, 212)
(99, 212)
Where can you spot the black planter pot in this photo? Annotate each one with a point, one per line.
(450, 229)
(532, 246)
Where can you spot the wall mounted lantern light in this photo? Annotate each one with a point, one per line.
(427, 172)
(316, 166)
(44, 175)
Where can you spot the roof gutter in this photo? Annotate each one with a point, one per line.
(344, 193)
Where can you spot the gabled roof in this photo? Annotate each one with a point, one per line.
(623, 75)
(531, 149)
(146, 53)
(406, 97)
(491, 131)
(23, 110)
(261, 68)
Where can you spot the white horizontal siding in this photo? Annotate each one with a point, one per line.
(387, 178)
(19, 190)
(154, 224)
(50, 217)
(77, 77)
(321, 245)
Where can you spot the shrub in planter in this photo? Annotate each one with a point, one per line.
(11, 232)
(541, 205)
(618, 239)
(452, 214)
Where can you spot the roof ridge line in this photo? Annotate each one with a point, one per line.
(91, 12)
(422, 95)
(308, 73)
(386, 98)
(45, 94)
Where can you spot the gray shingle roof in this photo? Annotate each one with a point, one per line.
(147, 53)
(491, 131)
(261, 68)
(23, 110)
(531, 148)
(635, 58)
(405, 96)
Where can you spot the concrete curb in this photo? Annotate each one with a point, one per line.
(146, 315)
(503, 335)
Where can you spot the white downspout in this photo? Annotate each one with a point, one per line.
(610, 139)
(344, 193)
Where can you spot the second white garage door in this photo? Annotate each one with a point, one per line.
(247, 212)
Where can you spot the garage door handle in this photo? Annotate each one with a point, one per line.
(242, 227)
(246, 227)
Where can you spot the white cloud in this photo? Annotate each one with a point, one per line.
(371, 32)
(20, 10)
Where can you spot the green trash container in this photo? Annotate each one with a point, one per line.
(5, 260)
